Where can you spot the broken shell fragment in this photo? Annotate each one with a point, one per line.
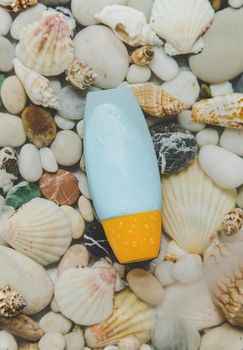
(17, 5)
(11, 302)
(80, 75)
(142, 56)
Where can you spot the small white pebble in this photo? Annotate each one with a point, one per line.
(163, 272)
(80, 128)
(75, 339)
(5, 22)
(63, 123)
(82, 164)
(138, 74)
(188, 269)
(56, 85)
(52, 341)
(2, 200)
(85, 209)
(83, 185)
(111, 347)
(221, 89)
(55, 322)
(236, 3)
(207, 136)
(185, 120)
(7, 341)
(145, 347)
(48, 160)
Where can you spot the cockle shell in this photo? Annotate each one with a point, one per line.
(45, 45)
(129, 24)
(80, 75)
(37, 87)
(181, 23)
(142, 56)
(224, 111)
(131, 316)
(156, 102)
(129, 343)
(194, 207)
(16, 5)
(85, 295)
(40, 230)
(11, 302)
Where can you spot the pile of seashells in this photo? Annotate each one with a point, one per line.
(61, 287)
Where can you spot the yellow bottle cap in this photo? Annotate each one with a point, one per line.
(134, 237)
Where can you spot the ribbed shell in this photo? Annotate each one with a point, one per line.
(46, 46)
(85, 295)
(16, 5)
(40, 230)
(131, 316)
(156, 102)
(181, 23)
(129, 343)
(226, 111)
(193, 208)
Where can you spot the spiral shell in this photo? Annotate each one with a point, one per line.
(142, 56)
(11, 302)
(80, 75)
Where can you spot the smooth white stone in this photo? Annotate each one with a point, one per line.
(163, 272)
(7, 341)
(29, 163)
(185, 120)
(75, 339)
(207, 136)
(55, 322)
(224, 167)
(30, 15)
(52, 341)
(13, 95)
(236, 3)
(80, 128)
(221, 89)
(86, 209)
(11, 131)
(55, 84)
(146, 347)
(138, 74)
(188, 269)
(71, 102)
(144, 6)
(83, 185)
(163, 66)
(67, 148)
(64, 123)
(184, 87)
(6, 55)
(232, 140)
(48, 160)
(2, 201)
(5, 21)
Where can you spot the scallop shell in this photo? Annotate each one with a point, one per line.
(11, 302)
(80, 75)
(224, 111)
(129, 343)
(40, 230)
(46, 46)
(85, 295)
(174, 251)
(223, 262)
(194, 207)
(181, 23)
(16, 5)
(131, 316)
(129, 24)
(142, 56)
(37, 87)
(156, 102)
(191, 303)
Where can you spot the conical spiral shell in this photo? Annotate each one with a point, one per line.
(16, 5)
(46, 46)
(156, 102)
(85, 295)
(131, 316)
(193, 208)
(142, 56)
(40, 230)
(226, 111)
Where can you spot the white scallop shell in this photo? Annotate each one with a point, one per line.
(129, 24)
(37, 87)
(85, 295)
(191, 303)
(40, 230)
(193, 208)
(181, 23)
(45, 45)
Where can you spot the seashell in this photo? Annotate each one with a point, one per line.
(156, 102)
(85, 295)
(129, 24)
(232, 222)
(194, 207)
(129, 343)
(181, 24)
(17, 5)
(40, 230)
(11, 302)
(37, 87)
(224, 111)
(45, 45)
(131, 316)
(80, 75)
(174, 251)
(191, 303)
(142, 56)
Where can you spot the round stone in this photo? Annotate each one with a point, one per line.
(138, 74)
(71, 103)
(22, 193)
(232, 140)
(63, 123)
(67, 148)
(5, 21)
(221, 89)
(163, 66)
(61, 187)
(13, 95)
(11, 131)
(185, 120)
(6, 55)
(188, 269)
(55, 322)
(145, 286)
(207, 136)
(29, 163)
(52, 340)
(163, 272)
(48, 160)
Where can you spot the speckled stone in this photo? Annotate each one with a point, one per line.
(9, 169)
(39, 126)
(175, 147)
(22, 193)
(60, 187)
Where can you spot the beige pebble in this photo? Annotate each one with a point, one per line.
(54, 307)
(75, 339)
(82, 164)
(85, 209)
(55, 322)
(83, 185)
(2, 200)
(145, 286)
(13, 95)
(76, 256)
(6, 55)
(52, 341)
(76, 220)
